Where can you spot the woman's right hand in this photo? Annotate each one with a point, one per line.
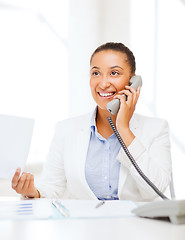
(24, 184)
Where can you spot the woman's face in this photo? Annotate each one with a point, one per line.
(110, 73)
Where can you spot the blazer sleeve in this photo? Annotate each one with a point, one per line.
(152, 154)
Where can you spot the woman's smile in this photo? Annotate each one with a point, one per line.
(106, 95)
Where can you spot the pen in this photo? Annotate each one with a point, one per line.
(60, 208)
(99, 204)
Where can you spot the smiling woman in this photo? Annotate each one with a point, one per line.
(87, 142)
(107, 79)
(110, 74)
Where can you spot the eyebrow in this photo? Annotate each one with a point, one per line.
(116, 66)
(95, 67)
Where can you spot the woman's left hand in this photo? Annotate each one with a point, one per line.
(127, 108)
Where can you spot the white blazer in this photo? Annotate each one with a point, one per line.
(64, 170)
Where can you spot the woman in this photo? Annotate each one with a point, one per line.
(86, 161)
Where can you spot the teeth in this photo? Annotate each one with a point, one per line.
(105, 94)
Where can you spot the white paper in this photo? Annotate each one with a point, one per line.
(87, 208)
(15, 139)
(26, 209)
(44, 209)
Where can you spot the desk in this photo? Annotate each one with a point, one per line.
(91, 229)
(129, 228)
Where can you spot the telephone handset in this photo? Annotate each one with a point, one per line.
(114, 105)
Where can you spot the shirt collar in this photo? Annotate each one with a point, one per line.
(94, 131)
(133, 122)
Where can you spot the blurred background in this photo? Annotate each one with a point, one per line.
(45, 47)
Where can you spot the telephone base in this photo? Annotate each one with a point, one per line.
(174, 210)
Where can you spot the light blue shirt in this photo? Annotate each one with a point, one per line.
(102, 168)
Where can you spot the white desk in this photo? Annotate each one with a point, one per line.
(91, 229)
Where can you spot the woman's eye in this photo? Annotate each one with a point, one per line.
(95, 73)
(114, 73)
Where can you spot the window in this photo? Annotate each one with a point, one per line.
(34, 66)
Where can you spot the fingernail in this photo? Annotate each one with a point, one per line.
(18, 169)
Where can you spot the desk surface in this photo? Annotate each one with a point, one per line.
(91, 229)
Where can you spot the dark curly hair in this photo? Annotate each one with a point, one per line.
(120, 47)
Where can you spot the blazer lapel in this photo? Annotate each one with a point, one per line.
(84, 138)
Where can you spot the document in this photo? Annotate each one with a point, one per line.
(15, 140)
(89, 209)
(32, 209)
(26, 209)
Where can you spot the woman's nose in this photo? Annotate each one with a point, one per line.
(104, 83)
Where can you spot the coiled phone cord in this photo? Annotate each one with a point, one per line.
(129, 155)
